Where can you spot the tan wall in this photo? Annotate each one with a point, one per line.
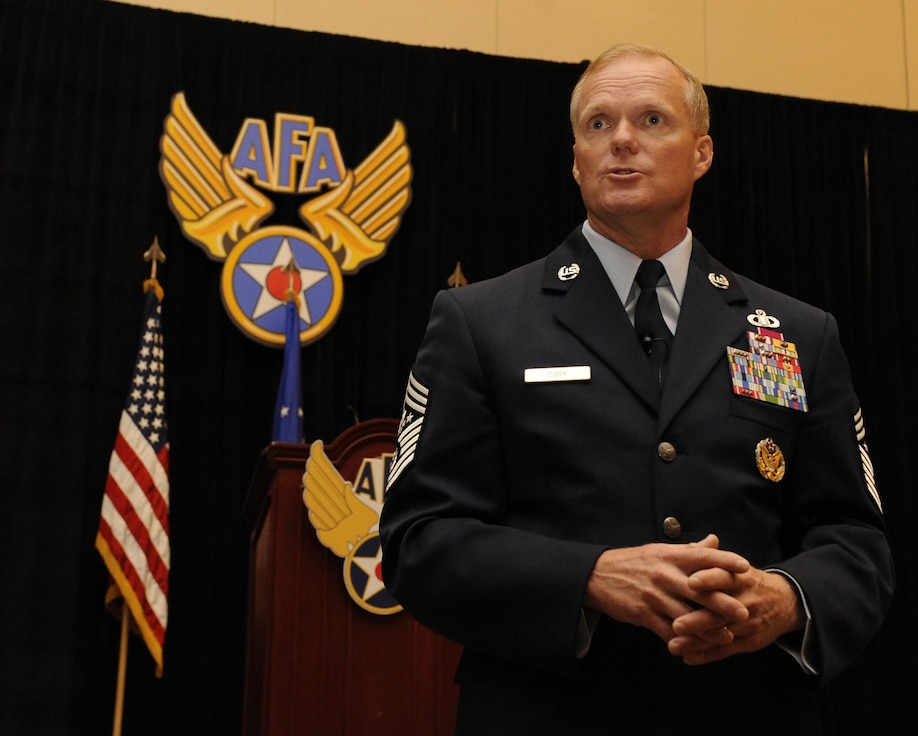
(859, 51)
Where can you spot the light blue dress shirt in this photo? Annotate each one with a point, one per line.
(621, 265)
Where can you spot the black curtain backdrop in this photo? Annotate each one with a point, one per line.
(813, 198)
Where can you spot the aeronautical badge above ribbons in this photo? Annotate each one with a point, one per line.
(345, 513)
(219, 201)
(770, 370)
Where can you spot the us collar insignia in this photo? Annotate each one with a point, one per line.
(567, 273)
(769, 371)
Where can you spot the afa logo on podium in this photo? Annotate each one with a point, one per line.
(220, 202)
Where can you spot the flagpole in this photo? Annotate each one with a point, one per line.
(291, 269)
(154, 255)
(122, 669)
(288, 411)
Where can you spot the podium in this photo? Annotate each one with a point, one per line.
(317, 662)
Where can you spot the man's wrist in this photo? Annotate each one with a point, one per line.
(792, 611)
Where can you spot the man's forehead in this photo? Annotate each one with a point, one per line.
(636, 72)
(635, 79)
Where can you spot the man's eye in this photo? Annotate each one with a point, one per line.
(597, 125)
(654, 119)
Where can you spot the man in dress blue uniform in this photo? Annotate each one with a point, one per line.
(639, 514)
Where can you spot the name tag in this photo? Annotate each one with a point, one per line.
(558, 373)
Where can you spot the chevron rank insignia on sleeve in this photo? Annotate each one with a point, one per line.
(409, 430)
(861, 432)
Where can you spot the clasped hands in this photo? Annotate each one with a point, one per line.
(706, 603)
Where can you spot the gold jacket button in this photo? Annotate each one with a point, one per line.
(666, 452)
(672, 527)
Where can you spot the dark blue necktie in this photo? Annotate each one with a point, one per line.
(649, 325)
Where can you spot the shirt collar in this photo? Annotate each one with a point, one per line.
(621, 265)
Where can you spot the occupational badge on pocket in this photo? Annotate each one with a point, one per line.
(770, 460)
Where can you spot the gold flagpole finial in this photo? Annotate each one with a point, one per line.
(290, 269)
(457, 278)
(154, 254)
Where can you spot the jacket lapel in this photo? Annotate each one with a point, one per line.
(708, 323)
(592, 311)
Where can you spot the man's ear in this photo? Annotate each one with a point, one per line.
(704, 155)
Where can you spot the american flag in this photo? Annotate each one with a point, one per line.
(133, 536)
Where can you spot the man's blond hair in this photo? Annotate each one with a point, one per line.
(695, 96)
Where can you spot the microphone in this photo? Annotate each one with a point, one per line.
(649, 343)
(646, 334)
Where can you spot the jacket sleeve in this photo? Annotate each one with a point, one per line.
(834, 533)
(448, 556)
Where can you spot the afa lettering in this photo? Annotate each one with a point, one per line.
(365, 482)
(304, 157)
(251, 155)
(323, 162)
(371, 478)
(291, 138)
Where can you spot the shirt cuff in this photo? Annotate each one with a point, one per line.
(589, 620)
(799, 646)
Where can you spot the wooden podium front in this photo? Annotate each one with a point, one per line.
(317, 662)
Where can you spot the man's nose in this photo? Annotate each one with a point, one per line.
(624, 138)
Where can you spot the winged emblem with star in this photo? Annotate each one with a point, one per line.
(349, 528)
(216, 206)
(341, 519)
(348, 225)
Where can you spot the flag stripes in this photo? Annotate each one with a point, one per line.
(133, 535)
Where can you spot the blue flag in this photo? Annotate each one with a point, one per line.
(288, 413)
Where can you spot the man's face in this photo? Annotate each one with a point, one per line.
(636, 157)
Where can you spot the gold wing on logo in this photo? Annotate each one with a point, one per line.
(360, 215)
(341, 519)
(213, 204)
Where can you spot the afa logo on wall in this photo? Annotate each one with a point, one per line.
(220, 202)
